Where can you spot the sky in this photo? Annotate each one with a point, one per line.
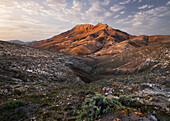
(30, 20)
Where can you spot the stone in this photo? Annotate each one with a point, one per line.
(134, 117)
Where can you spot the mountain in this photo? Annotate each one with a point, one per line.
(17, 42)
(95, 40)
(83, 39)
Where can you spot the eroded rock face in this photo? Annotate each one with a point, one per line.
(29, 64)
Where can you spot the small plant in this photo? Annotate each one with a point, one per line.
(93, 108)
(139, 82)
(125, 100)
(13, 104)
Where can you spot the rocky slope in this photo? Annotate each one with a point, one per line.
(152, 57)
(23, 63)
(143, 96)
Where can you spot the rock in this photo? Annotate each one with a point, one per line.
(144, 86)
(8, 87)
(144, 119)
(116, 115)
(134, 117)
(152, 118)
(70, 113)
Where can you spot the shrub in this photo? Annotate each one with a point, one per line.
(93, 108)
(13, 104)
(125, 101)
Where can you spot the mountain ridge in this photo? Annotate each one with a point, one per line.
(86, 37)
(95, 40)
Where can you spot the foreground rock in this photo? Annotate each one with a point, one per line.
(120, 98)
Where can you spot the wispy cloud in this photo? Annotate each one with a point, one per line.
(145, 6)
(117, 7)
(145, 21)
(168, 3)
(125, 2)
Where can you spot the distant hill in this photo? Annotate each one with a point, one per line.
(20, 42)
(17, 42)
(95, 40)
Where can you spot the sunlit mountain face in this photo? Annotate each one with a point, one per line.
(95, 40)
(43, 18)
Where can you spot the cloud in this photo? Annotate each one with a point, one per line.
(77, 5)
(122, 12)
(150, 6)
(56, 4)
(168, 3)
(125, 2)
(137, 23)
(116, 16)
(106, 2)
(117, 7)
(107, 14)
(33, 17)
(145, 21)
(96, 6)
(96, 12)
(145, 6)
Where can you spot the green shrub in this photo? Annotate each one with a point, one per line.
(95, 107)
(13, 104)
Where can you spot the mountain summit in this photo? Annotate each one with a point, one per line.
(83, 39)
(86, 39)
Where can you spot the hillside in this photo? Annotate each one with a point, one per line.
(17, 42)
(38, 84)
(18, 62)
(152, 57)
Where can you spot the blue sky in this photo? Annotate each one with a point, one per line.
(29, 20)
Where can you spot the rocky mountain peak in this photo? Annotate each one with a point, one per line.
(83, 27)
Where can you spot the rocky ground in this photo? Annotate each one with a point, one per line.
(44, 85)
(23, 63)
(142, 96)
